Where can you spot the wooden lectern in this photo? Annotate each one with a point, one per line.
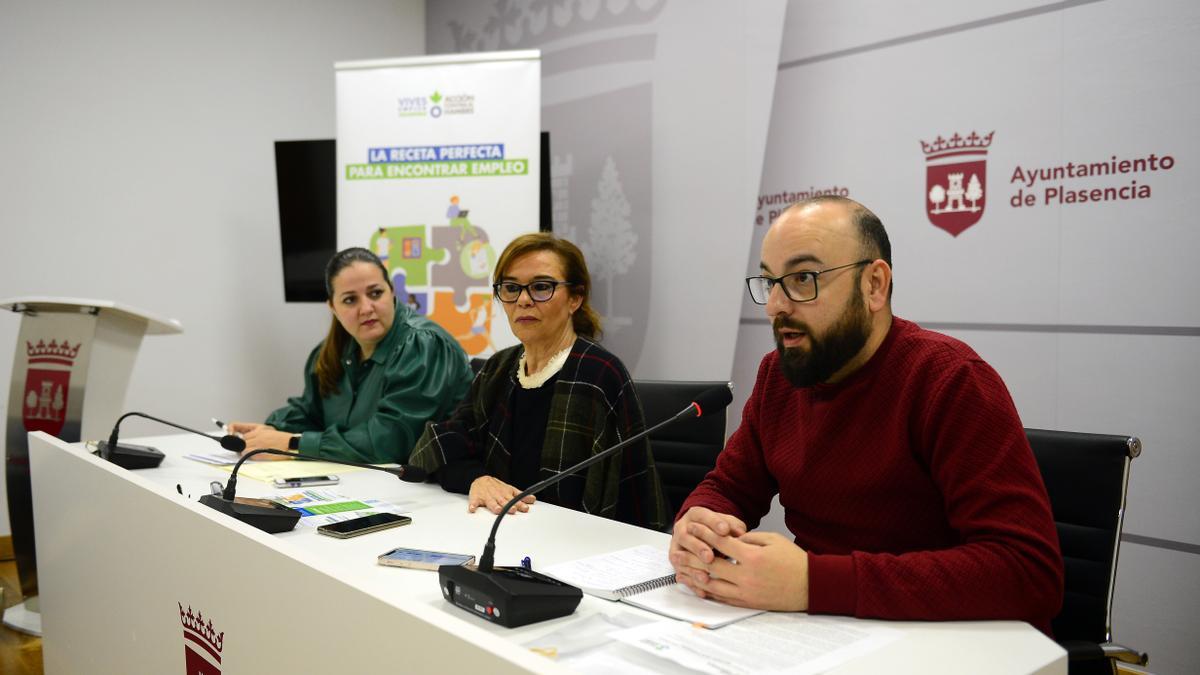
(70, 372)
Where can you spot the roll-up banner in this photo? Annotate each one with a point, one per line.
(438, 162)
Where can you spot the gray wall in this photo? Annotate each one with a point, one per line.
(139, 167)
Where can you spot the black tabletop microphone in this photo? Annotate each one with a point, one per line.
(274, 518)
(146, 457)
(515, 596)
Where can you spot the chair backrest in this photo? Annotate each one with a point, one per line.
(686, 451)
(1086, 476)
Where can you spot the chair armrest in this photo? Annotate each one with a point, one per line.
(1082, 650)
(1124, 654)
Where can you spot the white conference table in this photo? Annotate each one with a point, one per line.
(119, 550)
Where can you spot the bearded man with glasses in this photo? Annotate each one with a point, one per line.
(897, 454)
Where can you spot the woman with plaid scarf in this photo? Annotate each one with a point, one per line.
(548, 403)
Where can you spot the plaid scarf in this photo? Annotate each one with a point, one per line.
(594, 407)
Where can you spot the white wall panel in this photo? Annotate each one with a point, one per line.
(139, 167)
(858, 122)
(1131, 88)
(818, 27)
(1146, 386)
(1157, 606)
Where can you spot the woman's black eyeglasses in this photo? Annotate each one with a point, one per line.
(539, 291)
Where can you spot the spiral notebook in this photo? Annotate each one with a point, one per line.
(643, 577)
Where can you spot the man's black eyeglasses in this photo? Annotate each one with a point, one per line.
(797, 286)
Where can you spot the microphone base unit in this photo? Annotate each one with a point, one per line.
(131, 456)
(265, 515)
(508, 596)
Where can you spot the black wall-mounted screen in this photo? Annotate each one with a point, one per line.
(306, 178)
(545, 200)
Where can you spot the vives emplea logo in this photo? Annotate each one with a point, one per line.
(435, 105)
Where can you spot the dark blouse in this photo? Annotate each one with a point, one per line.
(532, 408)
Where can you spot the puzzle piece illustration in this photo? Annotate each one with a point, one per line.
(406, 250)
(471, 260)
(443, 272)
(472, 328)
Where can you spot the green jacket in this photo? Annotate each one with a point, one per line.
(417, 373)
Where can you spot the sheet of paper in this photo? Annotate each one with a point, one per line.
(679, 602)
(269, 471)
(585, 647)
(623, 659)
(585, 634)
(795, 644)
(321, 507)
(215, 458)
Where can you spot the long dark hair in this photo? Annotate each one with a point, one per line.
(329, 361)
(585, 321)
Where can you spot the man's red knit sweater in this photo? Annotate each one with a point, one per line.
(910, 484)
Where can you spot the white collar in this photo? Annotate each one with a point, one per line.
(551, 369)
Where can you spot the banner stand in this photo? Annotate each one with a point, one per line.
(439, 165)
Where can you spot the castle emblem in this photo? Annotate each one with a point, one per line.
(202, 645)
(956, 180)
(47, 385)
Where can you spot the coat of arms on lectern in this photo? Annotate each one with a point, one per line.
(202, 644)
(47, 385)
(956, 180)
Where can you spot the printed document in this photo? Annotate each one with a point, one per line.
(322, 507)
(795, 644)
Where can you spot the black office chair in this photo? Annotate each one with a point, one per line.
(686, 451)
(1086, 476)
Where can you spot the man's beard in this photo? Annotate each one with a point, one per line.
(828, 353)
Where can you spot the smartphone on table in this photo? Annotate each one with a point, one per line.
(418, 559)
(364, 525)
(305, 481)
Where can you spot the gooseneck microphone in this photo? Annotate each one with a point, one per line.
(514, 596)
(274, 518)
(145, 457)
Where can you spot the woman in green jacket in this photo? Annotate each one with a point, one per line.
(371, 385)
